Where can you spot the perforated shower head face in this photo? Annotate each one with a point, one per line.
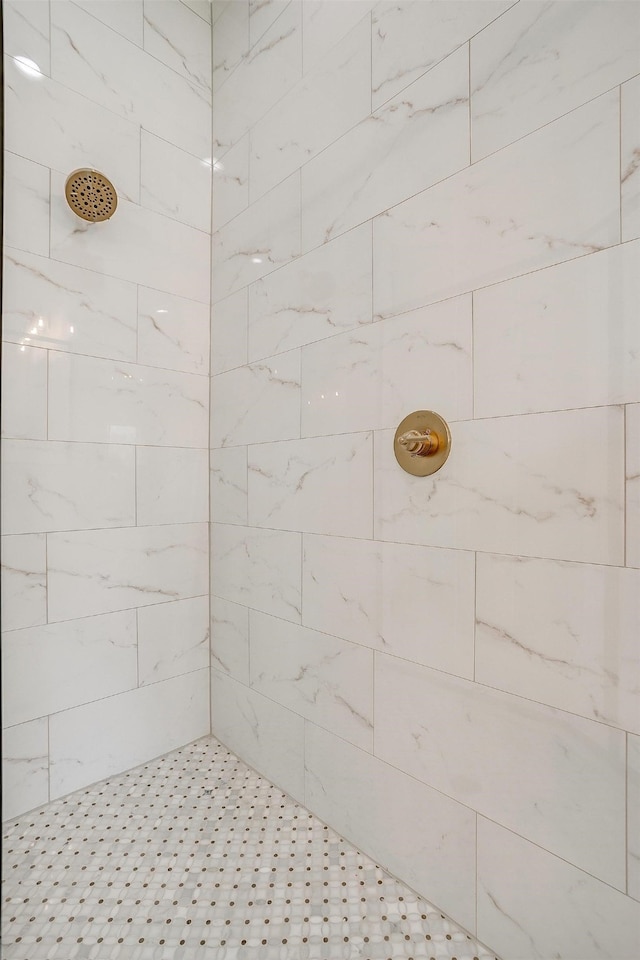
(91, 195)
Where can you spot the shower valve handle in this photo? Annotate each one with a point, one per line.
(419, 444)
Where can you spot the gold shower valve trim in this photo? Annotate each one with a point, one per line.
(91, 195)
(422, 443)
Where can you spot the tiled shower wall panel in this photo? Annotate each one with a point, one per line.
(105, 392)
(436, 205)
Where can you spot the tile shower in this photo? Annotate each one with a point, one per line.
(415, 205)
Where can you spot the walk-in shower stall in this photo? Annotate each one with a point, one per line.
(291, 667)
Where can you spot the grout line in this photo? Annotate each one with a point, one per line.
(137, 610)
(475, 609)
(626, 813)
(620, 158)
(625, 498)
(48, 758)
(473, 358)
(476, 878)
(469, 108)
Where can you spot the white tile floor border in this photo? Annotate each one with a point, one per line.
(194, 856)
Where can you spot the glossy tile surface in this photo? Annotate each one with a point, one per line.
(26, 205)
(633, 484)
(410, 37)
(66, 486)
(323, 107)
(93, 60)
(174, 182)
(172, 332)
(552, 325)
(173, 638)
(290, 484)
(377, 593)
(105, 390)
(171, 485)
(574, 913)
(431, 837)
(322, 678)
(372, 377)
(633, 800)
(630, 159)
(318, 295)
(172, 711)
(139, 245)
(230, 639)
(24, 580)
(534, 639)
(103, 570)
(257, 403)
(57, 306)
(68, 664)
(58, 127)
(261, 238)
(486, 226)
(24, 392)
(502, 492)
(270, 69)
(296, 872)
(228, 484)
(258, 568)
(390, 156)
(113, 402)
(453, 735)
(25, 767)
(541, 60)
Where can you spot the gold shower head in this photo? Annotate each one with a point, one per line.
(91, 195)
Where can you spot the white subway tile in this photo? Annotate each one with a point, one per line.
(229, 485)
(408, 828)
(519, 210)
(24, 581)
(322, 293)
(541, 60)
(175, 183)
(25, 767)
(172, 332)
(67, 308)
(257, 568)
(96, 740)
(561, 633)
(556, 779)
(534, 485)
(61, 665)
(535, 337)
(24, 391)
(532, 904)
(103, 570)
(66, 486)
(111, 402)
(410, 143)
(230, 639)
(265, 734)
(47, 122)
(257, 403)
(171, 485)
(173, 638)
(414, 602)
(322, 678)
(370, 378)
(321, 485)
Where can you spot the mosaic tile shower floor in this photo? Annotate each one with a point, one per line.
(193, 856)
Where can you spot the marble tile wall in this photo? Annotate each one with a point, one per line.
(434, 205)
(105, 493)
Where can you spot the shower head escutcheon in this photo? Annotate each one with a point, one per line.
(91, 195)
